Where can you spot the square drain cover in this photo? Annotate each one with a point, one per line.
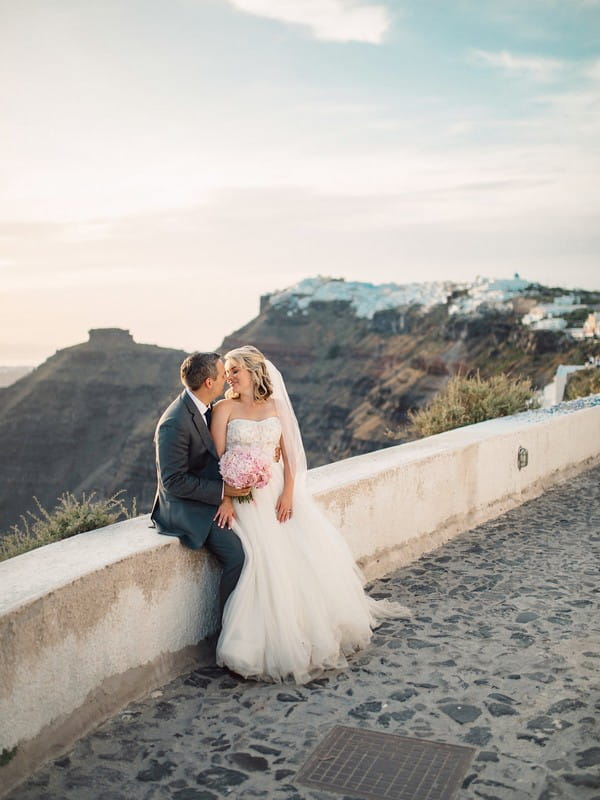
(374, 766)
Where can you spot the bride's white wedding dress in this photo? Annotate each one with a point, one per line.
(299, 606)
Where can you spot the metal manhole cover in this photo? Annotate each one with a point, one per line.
(374, 766)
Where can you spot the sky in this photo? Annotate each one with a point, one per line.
(163, 163)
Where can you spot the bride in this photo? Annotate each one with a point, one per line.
(299, 605)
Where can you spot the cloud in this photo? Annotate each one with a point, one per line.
(535, 67)
(87, 231)
(592, 71)
(461, 127)
(329, 20)
(575, 113)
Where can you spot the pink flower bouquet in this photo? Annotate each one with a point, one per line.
(245, 466)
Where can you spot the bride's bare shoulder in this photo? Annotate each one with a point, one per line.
(223, 408)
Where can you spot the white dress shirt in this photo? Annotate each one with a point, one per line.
(198, 403)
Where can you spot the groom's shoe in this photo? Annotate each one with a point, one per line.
(233, 674)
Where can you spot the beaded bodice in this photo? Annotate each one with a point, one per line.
(264, 433)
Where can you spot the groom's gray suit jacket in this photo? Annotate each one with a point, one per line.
(189, 483)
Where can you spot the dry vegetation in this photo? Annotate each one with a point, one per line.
(69, 517)
(582, 383)
(466, 400)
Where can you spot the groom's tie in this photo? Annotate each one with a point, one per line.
(207, 416)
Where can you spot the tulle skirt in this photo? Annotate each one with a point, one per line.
(299, 606)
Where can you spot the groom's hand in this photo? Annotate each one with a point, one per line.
(225, 514)
(231, 491)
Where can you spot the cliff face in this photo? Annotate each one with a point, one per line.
(350, 384)
(84, 421)
(353, 380)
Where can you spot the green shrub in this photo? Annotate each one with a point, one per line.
(69, 517)
(583, 382)
(465, 401)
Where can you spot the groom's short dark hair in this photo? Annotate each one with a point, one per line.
(197, 367)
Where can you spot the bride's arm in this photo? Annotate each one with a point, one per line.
(218, 430)
(218, 425)
(283, 509)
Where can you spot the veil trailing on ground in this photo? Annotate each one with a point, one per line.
(290, 430)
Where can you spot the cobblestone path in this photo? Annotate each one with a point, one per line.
(502, 653)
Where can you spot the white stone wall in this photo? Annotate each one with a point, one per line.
(393, 505)
(90, 623)
(554, 392)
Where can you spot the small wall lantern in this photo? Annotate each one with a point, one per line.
(522, 457)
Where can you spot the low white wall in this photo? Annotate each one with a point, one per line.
(92, 622)
(555, 391)
(393, 505)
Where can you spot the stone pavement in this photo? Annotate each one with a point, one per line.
(502, 653)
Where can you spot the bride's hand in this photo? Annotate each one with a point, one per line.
(225, 513)
(283, 509)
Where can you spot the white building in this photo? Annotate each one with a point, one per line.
(549, 316)
(549, 324)
(591, 327)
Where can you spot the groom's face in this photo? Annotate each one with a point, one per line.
(218, 383)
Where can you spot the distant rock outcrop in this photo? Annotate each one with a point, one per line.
(84, 421)
(111, 338)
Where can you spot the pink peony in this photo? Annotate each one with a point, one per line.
(245, 466)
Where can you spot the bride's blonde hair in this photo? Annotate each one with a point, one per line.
(250, 358)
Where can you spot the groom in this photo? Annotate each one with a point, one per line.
(190, 487)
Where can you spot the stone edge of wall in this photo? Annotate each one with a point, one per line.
(164, 593)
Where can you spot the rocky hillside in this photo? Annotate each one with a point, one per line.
(356, 358)
(84, 421)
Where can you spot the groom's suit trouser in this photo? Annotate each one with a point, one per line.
(226, 546)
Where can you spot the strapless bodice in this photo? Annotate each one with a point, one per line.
(263, 433)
